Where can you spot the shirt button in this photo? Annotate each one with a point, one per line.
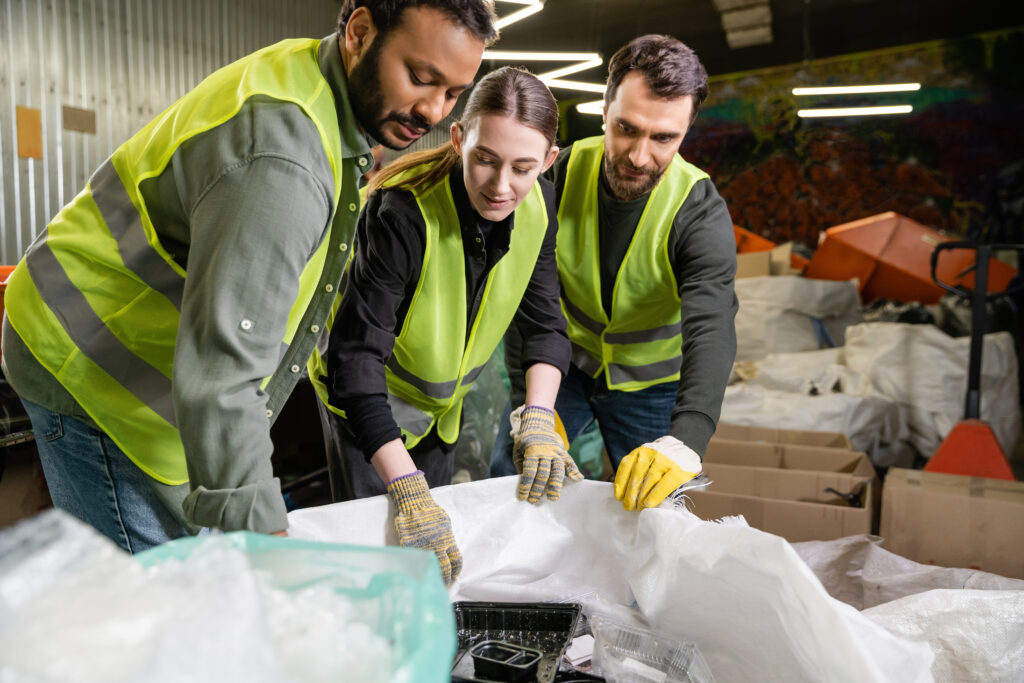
(362, 161)
(328, 288)
(352, 206)
(295, 368)
(246, 324)
(270, 413)
(314, 329)
(343, 246)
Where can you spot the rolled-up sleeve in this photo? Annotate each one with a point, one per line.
(704, 258)
(252, 232)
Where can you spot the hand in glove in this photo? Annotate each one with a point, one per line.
(650, 472)
(422, 523)
(540, 456)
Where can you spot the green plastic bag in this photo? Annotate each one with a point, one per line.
(398, 592)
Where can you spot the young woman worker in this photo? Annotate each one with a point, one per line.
(453, 246)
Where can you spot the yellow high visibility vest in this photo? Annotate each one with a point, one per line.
(435, 361)
(641, 343)
(97, 297)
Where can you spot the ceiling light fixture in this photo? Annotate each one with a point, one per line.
(583, 61)
(858, 89)
(854, 111)
(531, 8)
(595, 107)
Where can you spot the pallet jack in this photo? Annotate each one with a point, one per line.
(971, 447)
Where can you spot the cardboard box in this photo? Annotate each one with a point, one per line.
(780, 488)
(955, 521)
(775, 261)
(783, 436)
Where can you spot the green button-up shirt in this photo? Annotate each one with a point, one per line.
(242, 207)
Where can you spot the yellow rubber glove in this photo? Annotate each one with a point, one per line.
(540, 456)
(649, 473)
(422, 523)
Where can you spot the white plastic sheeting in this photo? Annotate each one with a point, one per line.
(754, 608)
(892, 387)
(860, 572)
(925, 370)
(777, 313)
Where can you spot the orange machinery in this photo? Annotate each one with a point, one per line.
(889, 254)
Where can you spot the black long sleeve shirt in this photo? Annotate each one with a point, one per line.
(386, 266)
(702, 251)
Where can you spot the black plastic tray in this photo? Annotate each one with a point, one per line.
(547, 627)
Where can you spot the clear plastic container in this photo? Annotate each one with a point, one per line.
(625, 654)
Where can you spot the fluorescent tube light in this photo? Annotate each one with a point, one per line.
(854, 111)
(595, 107)
(518, 15)
(858, 89)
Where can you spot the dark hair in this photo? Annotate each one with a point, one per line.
(509, 91)
(670, 69)
(476, 15)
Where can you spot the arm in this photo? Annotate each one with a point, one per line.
(703, 252)
(539, 327)
(247, 250)
(704, 259)
(382, 276)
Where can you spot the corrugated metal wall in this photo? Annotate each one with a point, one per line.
(126, 60)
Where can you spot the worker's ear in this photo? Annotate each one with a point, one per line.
(552, 153)
(457, 137)
(360, 31)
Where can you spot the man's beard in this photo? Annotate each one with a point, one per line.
(625, 188)
(367, 100)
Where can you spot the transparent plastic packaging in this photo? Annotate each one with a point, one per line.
(626, 654)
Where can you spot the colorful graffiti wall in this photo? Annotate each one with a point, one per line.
(955, 163)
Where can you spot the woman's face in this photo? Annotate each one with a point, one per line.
(501, 159)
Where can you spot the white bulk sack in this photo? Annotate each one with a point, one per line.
(924, 370)
(776, 313)
(756, 611)
(873, 423)
(977, 635)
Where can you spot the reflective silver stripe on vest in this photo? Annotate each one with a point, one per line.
(92, 336)
(641, 336)
(581, 317)
(584, 361)
(663, 369)
(125, 225)
(439, 390)
(409, 417)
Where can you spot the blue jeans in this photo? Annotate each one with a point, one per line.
(92, 479)
(627, 419)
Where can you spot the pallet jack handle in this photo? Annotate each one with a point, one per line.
(979, 315)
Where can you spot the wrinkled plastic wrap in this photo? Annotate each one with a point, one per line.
(236, 607)
(754, 609)
(788, 313)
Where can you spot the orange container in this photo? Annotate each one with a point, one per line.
(890, 255)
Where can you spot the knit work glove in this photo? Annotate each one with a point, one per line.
(652, 471)
(422, 523)
(540, 456)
